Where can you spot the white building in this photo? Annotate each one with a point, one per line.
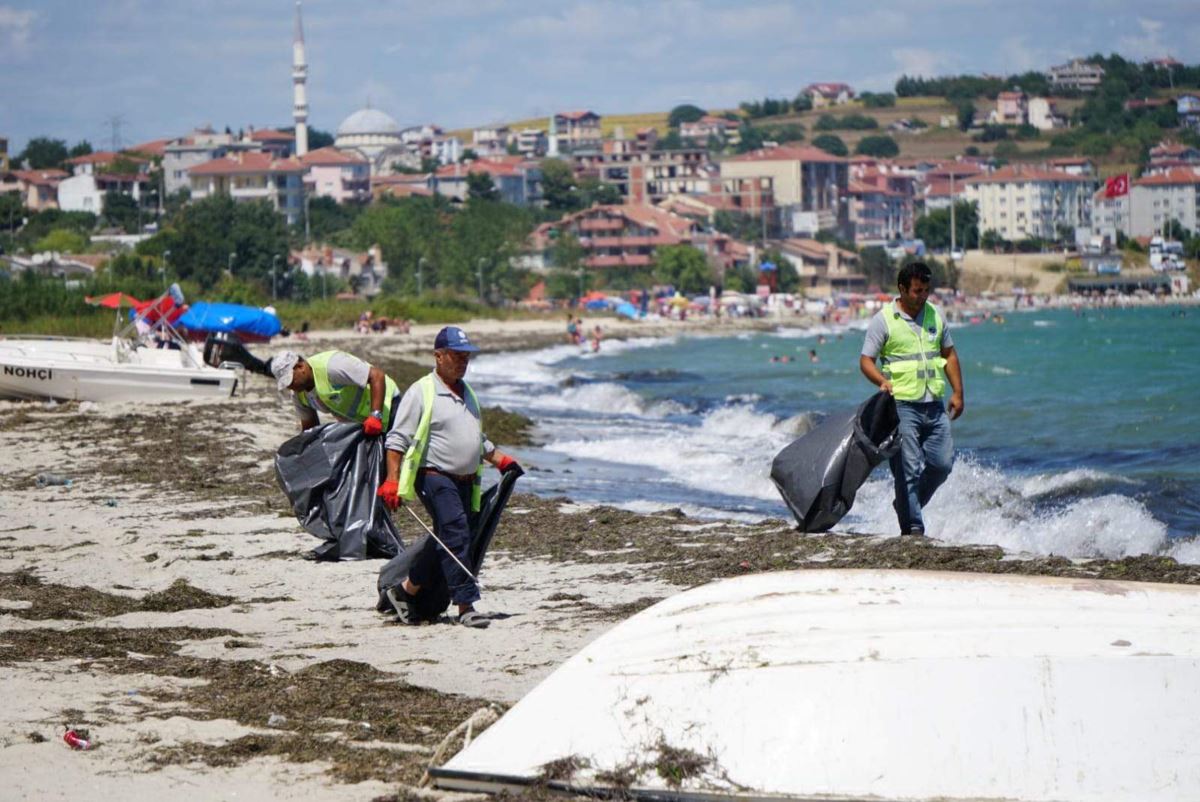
(345, 177)
(1077, 74)
(531, 142)
(491, 140)
(1157, 199)
(1022, 201)
(1043, 115)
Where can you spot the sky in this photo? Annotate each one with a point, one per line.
(159, 68)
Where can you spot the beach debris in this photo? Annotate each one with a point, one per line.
(78, 738)
(563, 768)
(110, 502)
(52, 480)
(36, 737)
(276, 720)
(478, 721)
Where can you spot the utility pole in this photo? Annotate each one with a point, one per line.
(232, 256)
(307, 230)
(952, 226)
(166, 255)
(482, 262)
(114, 124)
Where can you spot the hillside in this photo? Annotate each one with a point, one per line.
(608, 124)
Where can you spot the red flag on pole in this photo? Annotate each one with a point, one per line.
(1117, 186)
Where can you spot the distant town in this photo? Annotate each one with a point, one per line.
(1097, 160)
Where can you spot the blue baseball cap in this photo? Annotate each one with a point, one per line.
(455, 339)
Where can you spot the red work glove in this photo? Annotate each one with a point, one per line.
(372, 427)
(389, 491)
(506, 464)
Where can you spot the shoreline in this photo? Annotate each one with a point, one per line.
(162, 601)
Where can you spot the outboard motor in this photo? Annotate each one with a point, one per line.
(224, 347)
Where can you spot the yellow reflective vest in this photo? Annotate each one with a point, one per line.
(348, 402)
(416, 450)
(912, 360)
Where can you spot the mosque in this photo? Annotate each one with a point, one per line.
(368, 132)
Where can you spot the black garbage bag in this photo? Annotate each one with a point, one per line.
(330, 475)
(819, 474)
(434, 598)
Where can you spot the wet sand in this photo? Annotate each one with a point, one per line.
(162, 601)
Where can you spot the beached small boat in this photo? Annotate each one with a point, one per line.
(881, 685)
(130, 367)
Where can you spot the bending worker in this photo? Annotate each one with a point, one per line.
(436, 452)
(917, 357)
(338, 384)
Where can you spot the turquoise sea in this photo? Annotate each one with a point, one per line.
(1081, 434)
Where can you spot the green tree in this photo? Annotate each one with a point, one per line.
(879, 100)
(328, 220)
(480, 186)
(318, 139)
(672, 141)
(43, 153)
(1006, 150)
(121, 211)
(62, 240)
(81, 148)
(407, 230)
(832, 144)
(469, 155)
(216, 233)
(683, 267)
(686, 113)
(558, 185)
(966, 114)
(751, 138)
(12, 212)
(567, 277)
(881, 146)
(786, 277)
(877, 266)
(934, 228)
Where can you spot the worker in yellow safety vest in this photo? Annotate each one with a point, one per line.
(917, 360)
(337, 384)
(436, 451)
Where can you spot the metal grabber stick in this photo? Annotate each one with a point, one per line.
(453, 556)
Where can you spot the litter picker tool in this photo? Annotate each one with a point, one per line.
(453, 556)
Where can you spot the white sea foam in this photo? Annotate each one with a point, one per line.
(980, 504)
(605, 398)
(1185, 550)
(1075, 481)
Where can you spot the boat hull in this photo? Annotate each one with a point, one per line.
(882, 685)
(90, 370)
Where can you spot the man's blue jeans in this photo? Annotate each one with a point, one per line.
(923, 462)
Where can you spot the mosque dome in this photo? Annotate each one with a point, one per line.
(368, 121)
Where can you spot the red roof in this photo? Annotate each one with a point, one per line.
(787, 153)
(267, 135)
(577, 115)
(330, 156)
(1010, 96)
(40, 177)
(1069, 161)
(1174, 176)
(495, 168)
(828, 89)
(1024, 173)
(155, 147)
(246, 163)
(104, 157)
(1170, 149)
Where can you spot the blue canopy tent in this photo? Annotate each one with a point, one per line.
(626, 309)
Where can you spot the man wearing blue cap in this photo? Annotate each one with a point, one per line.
(435, 452)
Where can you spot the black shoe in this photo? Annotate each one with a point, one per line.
(915, 531)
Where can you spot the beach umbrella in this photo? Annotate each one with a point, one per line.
(678, 300)
(626, 309)
(113, 300)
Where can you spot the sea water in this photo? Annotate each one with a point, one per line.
(1081, 435)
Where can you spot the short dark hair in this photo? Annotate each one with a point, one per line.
(912, 270)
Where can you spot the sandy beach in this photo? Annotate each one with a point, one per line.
(162, 600)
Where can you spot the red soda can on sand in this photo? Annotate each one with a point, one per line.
(75, 740)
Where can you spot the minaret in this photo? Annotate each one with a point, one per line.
(299, 93)
(552, 144)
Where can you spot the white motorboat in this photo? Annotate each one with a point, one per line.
(127, 368)
(881, 685)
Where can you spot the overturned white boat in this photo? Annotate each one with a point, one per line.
(127, 368)
(880, 685)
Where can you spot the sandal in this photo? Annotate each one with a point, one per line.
(402, 603)
(474, 619)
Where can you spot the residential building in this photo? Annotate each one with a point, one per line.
(180, 155)
(38, 188)
(1168, 154)
(1011, 108)
(1188, 108)
(946, 183)
(728, 132)
(81, 266)
(626, 236)
(531, 142)
(646, 176)
(1155, 200)
(103, 160)
(491, 140)
(329, 173)
(823, 267)
(1110, 215)
(365, 272)
(86, 191)
(151, 149)
(1026, 201)
(804, 180)
(279, 144)
(749, 196)
(1043, 115)
(1075, 165)
(577, 130)
(1077, 74)
(519, 182)
(402, 185)
(251, 176)
(882, 199)
(376, 137)
(828, 94)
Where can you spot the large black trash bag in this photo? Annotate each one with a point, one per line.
(330, 474)
(434, 598)
(819, 474)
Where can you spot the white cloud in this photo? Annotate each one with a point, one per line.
(16, 28)
(1148, 44)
